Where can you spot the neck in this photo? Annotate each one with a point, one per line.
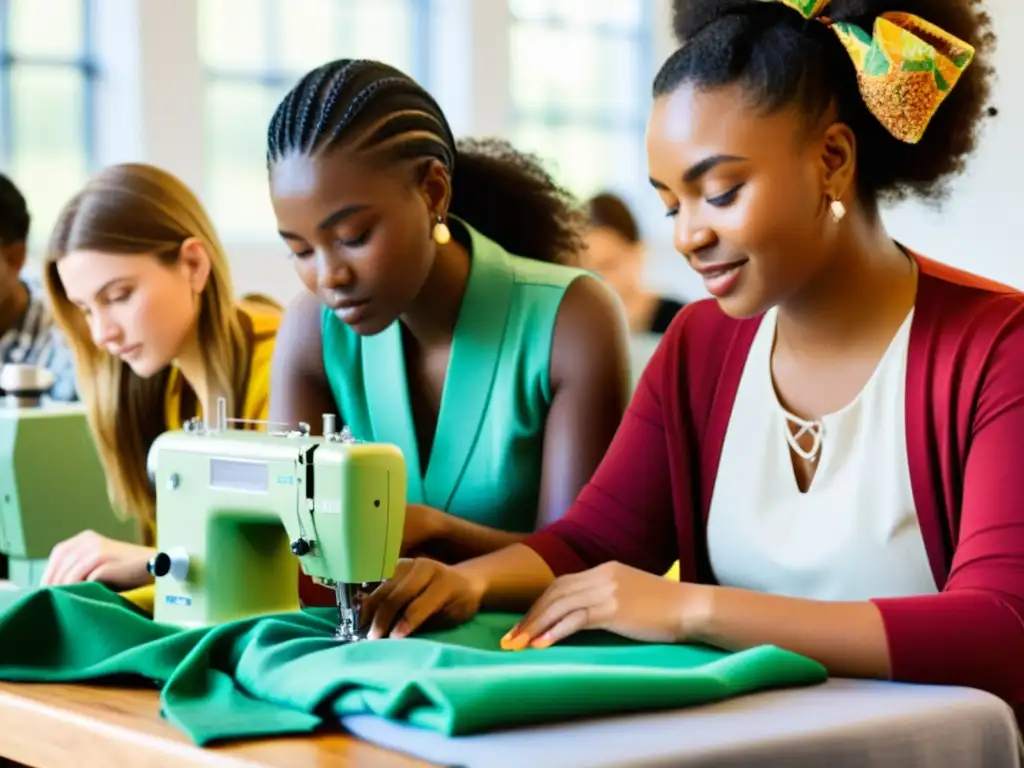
(193, 369)
(431, 318)
(867, 269)
(13, 307)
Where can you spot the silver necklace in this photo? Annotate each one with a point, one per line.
(814, 428)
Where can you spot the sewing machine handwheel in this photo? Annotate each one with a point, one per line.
(160, 565)
(300, 547)
(173, 563)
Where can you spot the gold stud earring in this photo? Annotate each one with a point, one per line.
(442, 235)
(837, 210)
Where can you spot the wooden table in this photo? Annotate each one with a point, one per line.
(96, 727)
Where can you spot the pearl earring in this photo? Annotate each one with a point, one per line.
(837, 210)
(442, 234)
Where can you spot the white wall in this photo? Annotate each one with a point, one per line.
(976, 229)
(152, 105)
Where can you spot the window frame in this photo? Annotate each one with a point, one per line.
(86, 64)
(642, 37)
(273, 74)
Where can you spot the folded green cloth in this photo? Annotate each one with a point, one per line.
(285, 674)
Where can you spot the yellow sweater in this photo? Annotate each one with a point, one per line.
(263, 324)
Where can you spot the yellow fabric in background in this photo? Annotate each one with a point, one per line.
(673, 572)
(265, 322)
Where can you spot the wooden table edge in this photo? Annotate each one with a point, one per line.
(35, 716)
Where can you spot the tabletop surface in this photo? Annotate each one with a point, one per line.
(91, 726)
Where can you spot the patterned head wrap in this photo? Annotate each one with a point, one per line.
(906, 67)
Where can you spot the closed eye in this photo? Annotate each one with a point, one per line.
(356, 242)
(726, 198)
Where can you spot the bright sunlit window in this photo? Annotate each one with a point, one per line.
(254, 51)
(47, 77)
(580, 84)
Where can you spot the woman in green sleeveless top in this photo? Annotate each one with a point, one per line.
(440, 318)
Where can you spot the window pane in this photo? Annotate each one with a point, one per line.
(381, 30)
(619, 13)
(575, 71)
(586, 159)
(233, 33)
(309, 34)
(237, 115)
(46, 27)
(318, 31)
(50, 161)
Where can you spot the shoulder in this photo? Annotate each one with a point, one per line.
(703, 334)
(966, 354)
(591, 335)
(533, 274)
(301, 326)
(36, 323)
(962, 314)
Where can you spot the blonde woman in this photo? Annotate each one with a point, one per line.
(140, 286)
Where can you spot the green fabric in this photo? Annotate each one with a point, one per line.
(485, 463)
(286, 675)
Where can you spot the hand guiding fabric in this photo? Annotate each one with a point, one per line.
(612, 597)
(419, 590)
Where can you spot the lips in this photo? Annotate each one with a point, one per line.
(720, 279)
(351, 312)
(125, 352)
(347, 304)
(714, 270)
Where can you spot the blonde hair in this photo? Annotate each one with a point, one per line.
(137, 209)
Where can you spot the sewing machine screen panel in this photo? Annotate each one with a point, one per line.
(235, 475)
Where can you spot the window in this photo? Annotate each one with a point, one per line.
(254, 51)
(47, 80)
(580, 82)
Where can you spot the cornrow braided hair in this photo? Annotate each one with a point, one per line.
(369, 107)
(362, 104)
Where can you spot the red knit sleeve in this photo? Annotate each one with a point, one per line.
(972, 634)
(625, 512)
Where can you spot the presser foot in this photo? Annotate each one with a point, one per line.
(349, 596)
(348, 627)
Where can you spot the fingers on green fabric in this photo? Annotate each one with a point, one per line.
(389, 610)
(401, 606)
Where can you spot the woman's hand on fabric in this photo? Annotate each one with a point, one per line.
(423, 524)
(613, 597)
(88, 556)
(419, 590)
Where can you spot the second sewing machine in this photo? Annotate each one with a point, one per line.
(238, 510)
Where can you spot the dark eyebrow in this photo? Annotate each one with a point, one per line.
(331, 221)
(697, 170)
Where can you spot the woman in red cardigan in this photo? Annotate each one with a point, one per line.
(833, 447)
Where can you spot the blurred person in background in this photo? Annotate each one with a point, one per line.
(616, 252)
(28, 334)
